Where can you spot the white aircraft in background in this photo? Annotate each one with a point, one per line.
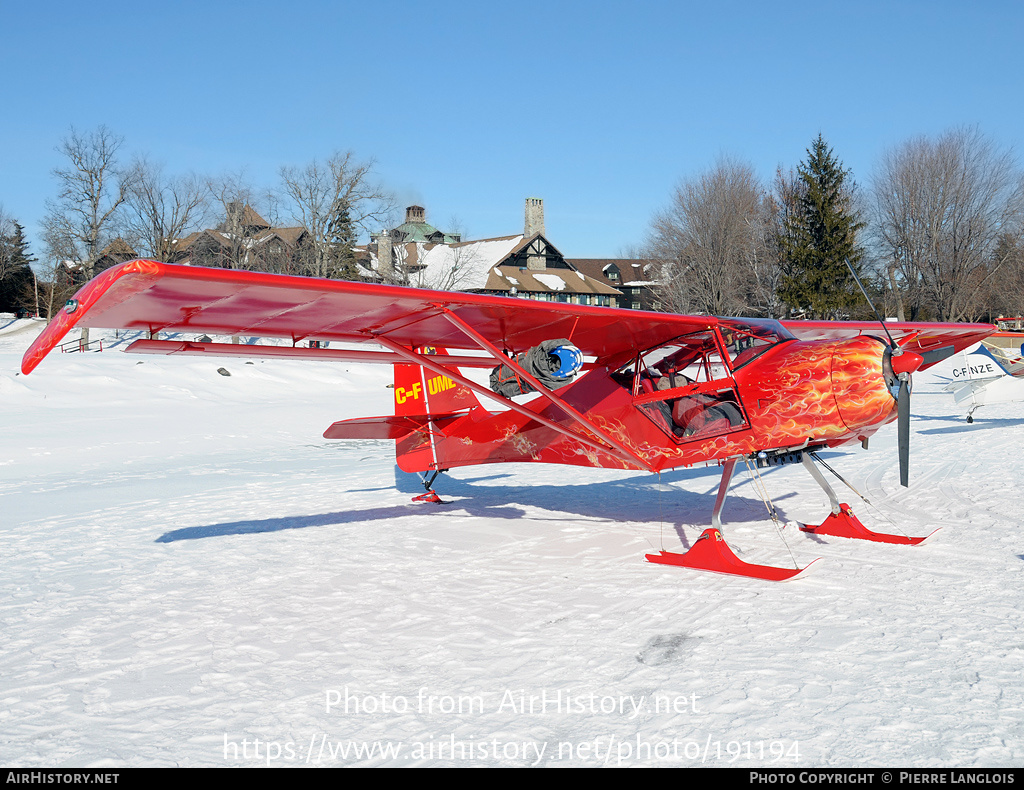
(992, 373)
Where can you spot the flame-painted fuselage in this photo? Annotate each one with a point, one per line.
(796, 394)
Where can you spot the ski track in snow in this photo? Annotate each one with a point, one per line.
(189, 568)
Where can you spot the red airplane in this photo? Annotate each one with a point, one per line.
(633, 390)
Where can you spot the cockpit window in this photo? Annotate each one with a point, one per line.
(684, 387)
(692, 358)
(748, 339)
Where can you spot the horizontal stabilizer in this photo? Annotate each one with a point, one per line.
(390, 427)
(973, 390)
(375, 428)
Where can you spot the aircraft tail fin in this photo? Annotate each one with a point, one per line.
(435, 402)
(978, 365)
(421, 392)
(1008, 360)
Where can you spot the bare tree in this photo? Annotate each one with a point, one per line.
(765, 258)
(941, 208)
(54, 286)
(162, 209)
(230, 194)
(1004, 293)
(320, 191)
(447, 266)
(711, 241)
(92, 189)
(7, 259)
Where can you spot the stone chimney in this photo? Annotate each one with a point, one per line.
(385, 257)
(415, 214)
(535, 224)
(534, 216)
(233, 219)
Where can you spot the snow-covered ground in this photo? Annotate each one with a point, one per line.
(190, 575)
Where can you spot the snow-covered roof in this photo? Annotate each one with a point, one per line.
(465, 266)
(509, 276)
(484, 265)
(632, 272)
(550, 280)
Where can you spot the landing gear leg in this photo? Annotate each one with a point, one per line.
(723, 489)
(841, 522)
(428, 484)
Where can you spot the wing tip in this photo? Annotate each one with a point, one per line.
(83, 300)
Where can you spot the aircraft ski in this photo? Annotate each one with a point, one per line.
(845, 524)
(711, 553)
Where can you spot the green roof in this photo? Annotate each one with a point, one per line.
(422, 231)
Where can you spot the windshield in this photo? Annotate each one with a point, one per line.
(686, 359)
(747, 339)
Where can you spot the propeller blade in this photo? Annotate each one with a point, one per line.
(903, 430)
(903, 363)
(863, 290)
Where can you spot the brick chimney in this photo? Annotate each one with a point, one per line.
(415, 214)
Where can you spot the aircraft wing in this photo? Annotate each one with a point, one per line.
(160, 297)
(934, 342)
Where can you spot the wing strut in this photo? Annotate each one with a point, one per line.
(547, 394)
(428, 362)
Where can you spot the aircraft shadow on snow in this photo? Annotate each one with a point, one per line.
(640, 498)
(962, 426)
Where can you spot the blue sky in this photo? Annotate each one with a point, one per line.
(468, 108)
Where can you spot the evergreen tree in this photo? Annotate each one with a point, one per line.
(818, 236)
(16, 277)
(341, 238)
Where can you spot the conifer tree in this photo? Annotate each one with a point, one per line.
(818, 236)
(341, 236)
(15, 268)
